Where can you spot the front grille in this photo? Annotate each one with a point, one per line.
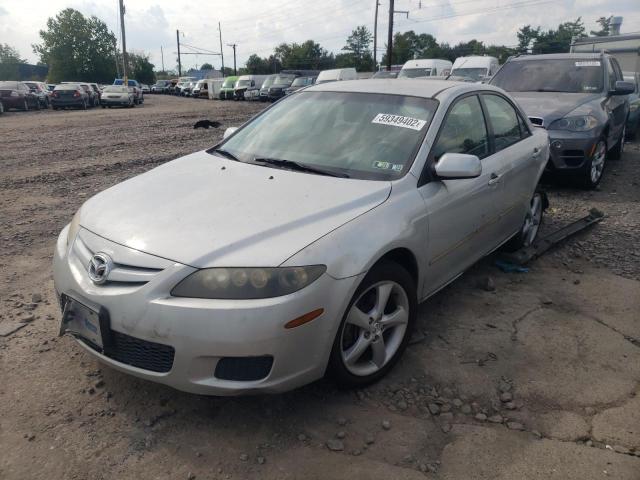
(139, 353)
(243, 369)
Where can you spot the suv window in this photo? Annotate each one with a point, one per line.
(617, 69)
(504, 121)
(611, 74)
(464, 130)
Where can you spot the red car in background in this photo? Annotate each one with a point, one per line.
(17, 95)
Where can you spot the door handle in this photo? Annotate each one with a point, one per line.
(494, 179)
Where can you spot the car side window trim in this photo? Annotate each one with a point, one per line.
(427, 174)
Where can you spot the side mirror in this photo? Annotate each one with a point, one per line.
(453, 166)
(229, 131)
(623, 88)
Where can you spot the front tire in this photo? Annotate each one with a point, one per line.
(594, 166)
(376, 327)
(25, 106)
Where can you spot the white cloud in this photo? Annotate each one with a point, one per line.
(258, 26)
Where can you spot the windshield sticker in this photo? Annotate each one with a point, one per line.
(588, 64)
(399, 121)
(396, 167)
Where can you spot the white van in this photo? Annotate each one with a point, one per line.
(246, 82)
(425, 67)
(213, 87)
(478, 68)
(337, 75)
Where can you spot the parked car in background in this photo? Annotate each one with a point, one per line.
(298, 83)
(69, 95)
(97, 91)
(385, 74)
(18, 95)
(267, 296)
(42, 92)
(425, 67)
(198, 88)
(581, 99)
(145, 88)
(118, 96)
(478, 68)
(633, 122)
(281, 82)
(263, 94)
(337, 75)
(213, 88)
(226, 91)
(161, 86)
(137, 91)
(51, 86)
(187, 88)
(245, 82)
(173, 86)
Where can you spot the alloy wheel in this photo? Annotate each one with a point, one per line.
(532, 220)
(374, 328)
(597, 162)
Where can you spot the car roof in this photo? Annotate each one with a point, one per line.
(392, 86)
(556, 56)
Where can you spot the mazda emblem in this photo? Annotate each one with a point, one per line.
(99, 268)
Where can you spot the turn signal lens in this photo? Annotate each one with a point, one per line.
(306, 318)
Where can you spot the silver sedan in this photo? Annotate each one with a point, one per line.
(302, 243)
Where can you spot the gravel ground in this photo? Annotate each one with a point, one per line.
(530, 375)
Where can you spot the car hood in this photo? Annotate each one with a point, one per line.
(552, 105)
(204, 211)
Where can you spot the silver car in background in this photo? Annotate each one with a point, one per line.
(304, 241)
(117, 96)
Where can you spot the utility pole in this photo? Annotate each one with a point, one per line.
(221, 52)
(124, 45)
(179, 62)
(375, 38)
(162, 56)
(390, 38)
(233, 45)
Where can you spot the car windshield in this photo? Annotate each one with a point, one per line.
(115, 89)
(243, 83)
(363, 135)
(472, 73)
(284, 79)
(385, 74)
(229, 82)
(300, 82)
(414, 72)
(575, 75)
(268, 81)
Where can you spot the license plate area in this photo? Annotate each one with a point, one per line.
(86, 323)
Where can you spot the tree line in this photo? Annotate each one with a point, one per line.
(82, 48)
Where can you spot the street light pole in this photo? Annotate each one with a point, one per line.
(179, 62)
(234, 45)
(124, 45)
(221, 52)
(390, 38)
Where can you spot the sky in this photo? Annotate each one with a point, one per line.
(258, 26)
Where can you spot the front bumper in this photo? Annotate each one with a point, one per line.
(122, 102)
(570, 150)
(203, 332)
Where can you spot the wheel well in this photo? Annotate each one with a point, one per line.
(405, 258)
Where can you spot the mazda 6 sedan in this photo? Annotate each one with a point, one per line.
(302, 243)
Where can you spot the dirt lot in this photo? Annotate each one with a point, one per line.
(536, 379)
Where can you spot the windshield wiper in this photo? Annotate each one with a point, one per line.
(300, 167)
(226, 153)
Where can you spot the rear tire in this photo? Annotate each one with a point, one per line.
(25, 106)
(531, 225)
(617, 151)
(376, 327)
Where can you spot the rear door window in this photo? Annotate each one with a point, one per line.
(464, 130)
(504, 121)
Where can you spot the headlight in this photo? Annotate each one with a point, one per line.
(74, 226)
(575, 124)
(633, 107)
(247, 283)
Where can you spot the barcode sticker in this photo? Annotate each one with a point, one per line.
(588, 64)
(399, 121)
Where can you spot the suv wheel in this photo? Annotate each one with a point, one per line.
(1, 107)
(25, 105)
(618, 149)
(594, 167)
(376, 327)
